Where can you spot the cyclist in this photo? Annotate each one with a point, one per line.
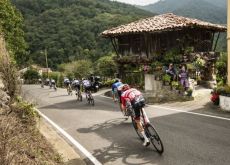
(76, 85)
(115, 91)
(40, 81)
(132, 98)
(86, 86)
(67, 85)
(53, 84)
(47, 82)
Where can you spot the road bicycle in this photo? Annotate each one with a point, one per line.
(78, 94)
(149, 129)
(69, 90)
(89, 97)
(54, 86)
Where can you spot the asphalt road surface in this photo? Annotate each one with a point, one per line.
(189, 139)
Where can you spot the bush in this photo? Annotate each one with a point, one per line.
(8, 71)
(223, 90)
(108, 83)
(221, 67)
(106, 66)
(166, 78)
(31, 76)
(78, 69)
(54, 75)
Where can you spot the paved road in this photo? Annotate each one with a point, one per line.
(188, 139)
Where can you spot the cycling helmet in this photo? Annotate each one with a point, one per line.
(125, 87)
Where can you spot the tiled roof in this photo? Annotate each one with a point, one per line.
(164, 22)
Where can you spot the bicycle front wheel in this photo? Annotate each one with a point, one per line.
(155, 138)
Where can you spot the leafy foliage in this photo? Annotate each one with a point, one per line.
(11, 23)
(77, 69)
(210, 10)
(70, 29)
(221, 66)
(31, 75)
(106, 66)
(8, 71)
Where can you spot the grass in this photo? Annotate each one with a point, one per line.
(20, 140)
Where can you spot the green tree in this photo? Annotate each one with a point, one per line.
(31, 76)
(11, 23)
(70, 29)
(78, 69)
(106, 66)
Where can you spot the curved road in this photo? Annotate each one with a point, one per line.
(188, 139)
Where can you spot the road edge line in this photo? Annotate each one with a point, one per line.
(177, 110)
(71, 139)
(193, 113)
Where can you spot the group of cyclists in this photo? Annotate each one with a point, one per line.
(130, 98)
(87, 85)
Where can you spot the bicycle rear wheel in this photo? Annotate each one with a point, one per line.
(80, 96)
(92, 101)
(154, 138)
(136, 129)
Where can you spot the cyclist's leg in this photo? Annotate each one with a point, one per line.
(140, 126)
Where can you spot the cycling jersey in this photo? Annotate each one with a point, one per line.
(86, 83)
(116, 85)
(136, 99)
(66, 81)
(76, 82)
(129, 95)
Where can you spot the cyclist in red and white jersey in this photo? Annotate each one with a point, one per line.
(132, 97)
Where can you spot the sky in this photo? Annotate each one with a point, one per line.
(138, 2)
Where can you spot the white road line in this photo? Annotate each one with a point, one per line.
(72, 140)
(177, 110)
(193, 113)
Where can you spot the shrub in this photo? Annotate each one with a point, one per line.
(223, 90)
(221, 67)
(31, 76)
(8, 71)
(106, 66)
(166, 78)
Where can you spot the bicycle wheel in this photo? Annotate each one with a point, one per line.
(136, 129)
(79, 96)
(154, 138)
(92, 101)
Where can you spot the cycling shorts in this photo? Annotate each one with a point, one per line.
(137, 104)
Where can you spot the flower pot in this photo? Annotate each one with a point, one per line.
(225, 103)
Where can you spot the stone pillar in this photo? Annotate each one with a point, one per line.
(151, 84)
(228, 38)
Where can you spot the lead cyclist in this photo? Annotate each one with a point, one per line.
(132, 97)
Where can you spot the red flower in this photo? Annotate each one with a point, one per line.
(215, 98)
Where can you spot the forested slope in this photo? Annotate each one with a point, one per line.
(70, 29)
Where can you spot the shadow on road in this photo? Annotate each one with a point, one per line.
(73, 104)
(125, 145)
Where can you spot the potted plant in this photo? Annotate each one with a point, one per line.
(224, 95)
(180, 88)
(175, 85)
(215, 97)
(189, 92)
(166, 79)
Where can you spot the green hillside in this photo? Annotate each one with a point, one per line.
(209, 10)
(70, 29)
